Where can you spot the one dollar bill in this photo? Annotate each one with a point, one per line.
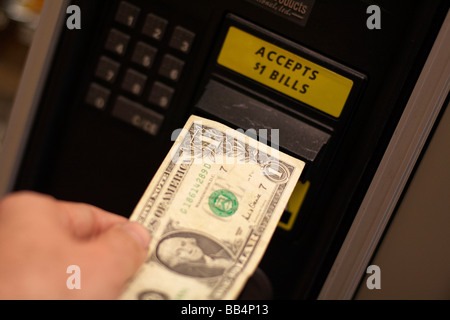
(211, 209)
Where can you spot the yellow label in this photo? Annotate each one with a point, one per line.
(294, 205)
(285, 72)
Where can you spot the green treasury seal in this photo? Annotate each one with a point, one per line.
(223, 203)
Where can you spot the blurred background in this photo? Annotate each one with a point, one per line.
(18, 21)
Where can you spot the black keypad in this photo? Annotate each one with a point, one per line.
(140, 69)
(155, 27)
(134, 82)
(161, 95)
(182, 39)
(107, 69)
(171, 67)
(97, 96)
(117, 42)
(127, 14)
(144, 55)
(138, 116)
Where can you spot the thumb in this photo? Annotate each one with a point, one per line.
(120, 251)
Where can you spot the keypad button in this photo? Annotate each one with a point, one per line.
(138, 116)
(127, 14)
(117, 42)
(107, 69)
(171, 67)
(182, 39)
(144, 55)
(155, 26)
(161, 95)
(134, 82)
(97, 96)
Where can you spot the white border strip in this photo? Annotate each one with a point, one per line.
(28, 95)
(393, 173)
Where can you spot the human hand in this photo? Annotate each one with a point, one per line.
(40, 237)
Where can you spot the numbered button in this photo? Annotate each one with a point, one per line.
(134, 82)
(97, 96)
(144, 55)
(127, 14)
(171, 67)
(107, 69)
(182, 39)
(155, 27)
(117, 42)
(161, 95)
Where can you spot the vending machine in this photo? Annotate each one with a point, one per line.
(353, 89)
